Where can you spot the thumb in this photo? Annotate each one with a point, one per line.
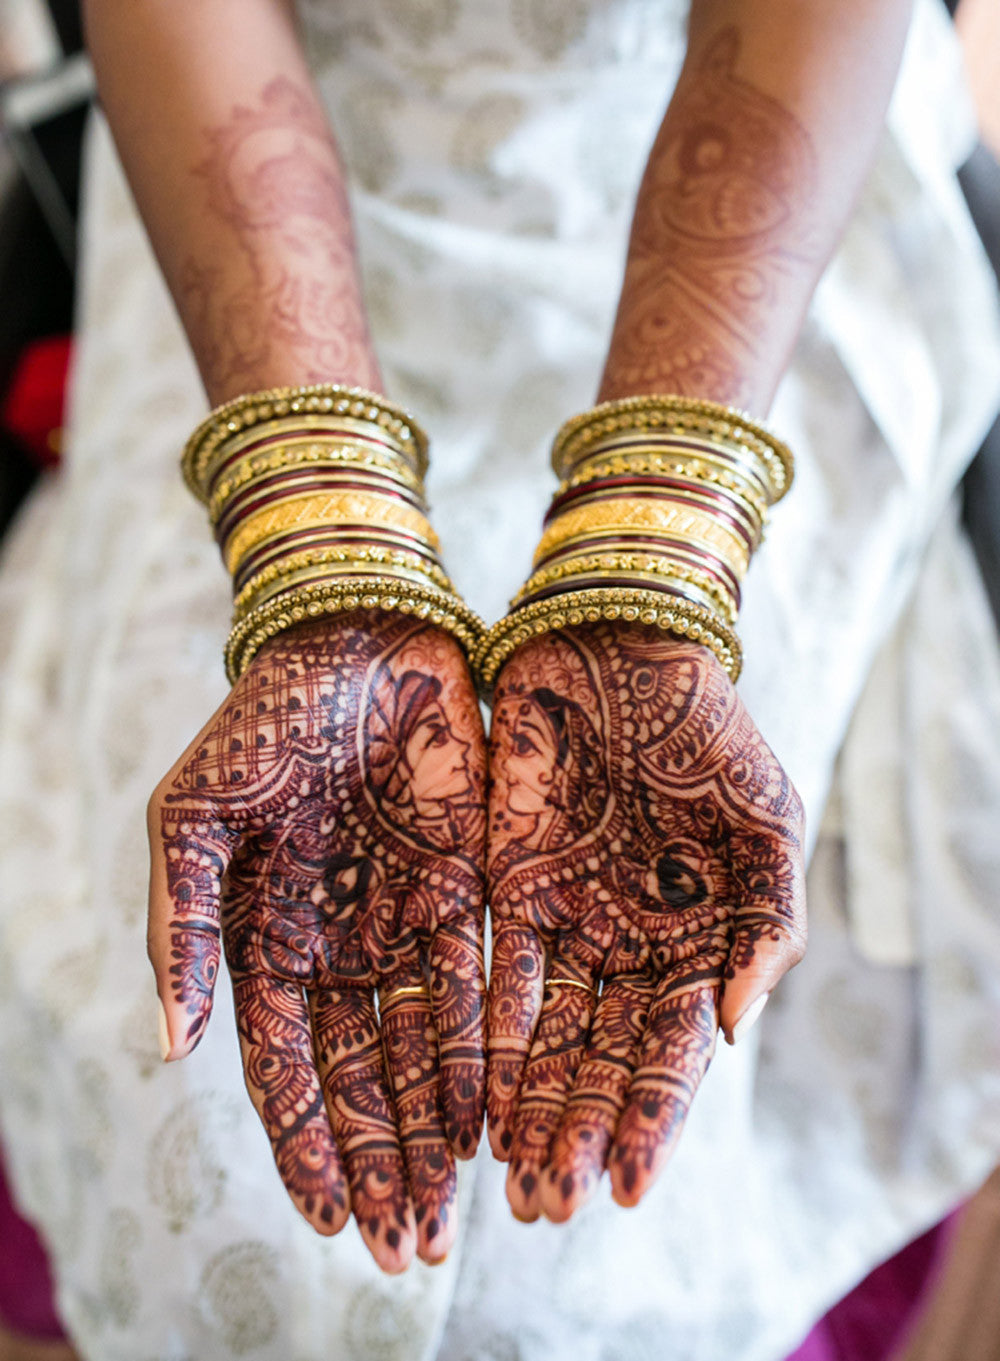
(769, 936)
(190, 850)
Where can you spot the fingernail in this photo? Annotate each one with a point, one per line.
(164, 1033)
(748, 1018)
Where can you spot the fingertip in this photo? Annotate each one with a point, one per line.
(501, 1138)
(393, 1249)
(435, 1239)
(627, 1186)
(565, 1190)
(746, 1019)
(524, 1192)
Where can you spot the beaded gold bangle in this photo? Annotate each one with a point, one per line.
(303, 603)
(661, 503)
(364, 556)
(646, 565)
(669, 613)
(671, 415)
(316, 496)
(307, 405)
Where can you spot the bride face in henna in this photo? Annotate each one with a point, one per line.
(532, 761)
(551, 770)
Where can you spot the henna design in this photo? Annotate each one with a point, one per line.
(673, 871)
(273, 176)
(337, 803)
(723, 237)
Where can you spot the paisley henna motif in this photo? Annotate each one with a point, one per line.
(643, 842)
(335, 808)
(723, 242)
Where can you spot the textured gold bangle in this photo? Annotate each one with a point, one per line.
(735, 515)
(440, 608)
(654, 608)
(703, 468)
(650, 565)
(671, 414)
(310, 511)
(626, 513)
(364, 556)
(310, 453)
(321, 399)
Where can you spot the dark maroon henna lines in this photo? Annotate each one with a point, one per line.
(645, 857)
(331, 820)
(272, 175)
(724, 234)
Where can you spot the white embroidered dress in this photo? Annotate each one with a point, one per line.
(494, 148)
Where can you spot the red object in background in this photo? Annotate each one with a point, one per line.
(26, 1296)
(32, 410)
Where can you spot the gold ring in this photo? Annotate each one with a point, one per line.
(567, 983)
(408, 990)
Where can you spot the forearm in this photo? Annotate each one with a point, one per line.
(748, 186)
(239, 183)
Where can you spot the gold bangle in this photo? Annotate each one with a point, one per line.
(309, 452)
(320, 399)
(703, 468)
(364, 555)
(329, 572)
(362, 592)
(700, 498)
(654, 608)
(650, 565)
(627, 513)
(672, 414)
(311, 511)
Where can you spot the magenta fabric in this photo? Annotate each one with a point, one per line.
(27, 1304)
(874, 1319)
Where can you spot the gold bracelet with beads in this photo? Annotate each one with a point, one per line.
(368, 592)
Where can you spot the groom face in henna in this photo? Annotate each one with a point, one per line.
(417, 766)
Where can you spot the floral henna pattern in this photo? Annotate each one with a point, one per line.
(330, 821)
(645, 843)
(724, 234)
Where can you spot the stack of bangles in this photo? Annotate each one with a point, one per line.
(317, 499)
(316, 496)
(661, 504)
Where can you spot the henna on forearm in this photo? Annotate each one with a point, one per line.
(291, 298)
(642, 835)
(747, 187)
(725, 227)
(237, 176)
(337, 802)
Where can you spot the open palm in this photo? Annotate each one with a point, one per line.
(646, 884)
(330, 820)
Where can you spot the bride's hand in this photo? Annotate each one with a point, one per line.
(646, 885)
(330, 817)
